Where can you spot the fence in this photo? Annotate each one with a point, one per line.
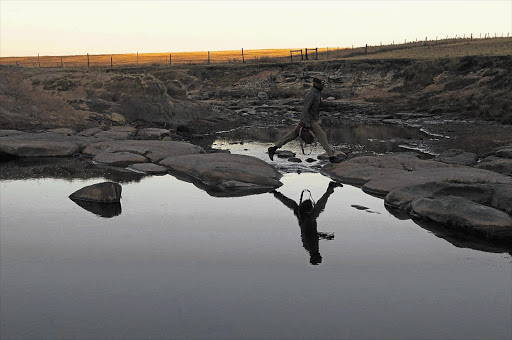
(233, 56)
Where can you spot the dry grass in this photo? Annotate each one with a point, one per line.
(414, 50)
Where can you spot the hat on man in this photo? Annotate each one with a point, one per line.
(318, 81)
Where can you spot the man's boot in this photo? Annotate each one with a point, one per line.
(334, 159)
(271, 152)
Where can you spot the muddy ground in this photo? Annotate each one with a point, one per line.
(468, 99)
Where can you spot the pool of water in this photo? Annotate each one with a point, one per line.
(174, 262)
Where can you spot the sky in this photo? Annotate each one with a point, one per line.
(107, 27)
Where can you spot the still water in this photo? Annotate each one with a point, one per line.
(174, 263)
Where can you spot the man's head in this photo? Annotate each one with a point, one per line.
(318, 83)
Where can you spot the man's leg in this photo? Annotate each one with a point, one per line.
(321, 136)
(285, 139)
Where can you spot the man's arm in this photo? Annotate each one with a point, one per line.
(285, 200)
(306, 113)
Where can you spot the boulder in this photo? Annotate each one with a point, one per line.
(340, 154)
(106, 210)
(502, 197)
(402, 197)
(119, 158)
(262, 95)
(456, 156)
(153, 134)
(64, 131)
(463, 214)
(106, 192)
(229, 174)
(500, 165)
(89, 132)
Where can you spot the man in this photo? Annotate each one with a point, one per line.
(309, 117)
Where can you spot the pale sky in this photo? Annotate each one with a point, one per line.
(104, 27)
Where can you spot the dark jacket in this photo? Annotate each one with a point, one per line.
(310, 111)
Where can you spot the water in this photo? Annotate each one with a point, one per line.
(178, 263)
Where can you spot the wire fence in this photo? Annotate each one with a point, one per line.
(235, 56)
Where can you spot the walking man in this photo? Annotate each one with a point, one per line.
(309, 117)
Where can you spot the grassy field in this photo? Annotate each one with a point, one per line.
(447, 48)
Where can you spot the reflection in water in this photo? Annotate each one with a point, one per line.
(106, 210)
(307, 211)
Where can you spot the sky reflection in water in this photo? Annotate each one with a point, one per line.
(179, 263)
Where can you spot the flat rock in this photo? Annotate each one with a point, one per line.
(63, 131)
(463, 214)
(89, 132)
(341, 155)
(500, 165)
(478, 193)
(37, 148)
(285, 154)
(106, 192)
(153, 134)
(456, 156)
(4, 133)
(116, 135)
(228, 173)
(149, 168)
(153, 150)
(119, 158)
(381, 174)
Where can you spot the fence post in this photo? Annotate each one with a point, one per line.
(88, 65)
(291, 57)
(208, 57)
(243, 57)
(316, 53)
(366, 49)
(306, 53)
(471, 36)
(170, 59)
(301, 58)
(111, 64)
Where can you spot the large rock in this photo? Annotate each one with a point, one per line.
(119, 158)
(106, 192)
(464, 214)
(226, 173)
(479, 193)
(148, 168)
(153, 150)
(500, 165)
(37, 148)
(381, 174)
(153, 134)
(456, 156)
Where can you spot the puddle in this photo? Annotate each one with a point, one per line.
(174, 262)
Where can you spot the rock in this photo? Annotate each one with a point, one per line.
(402, 197)
(262, 95)
(500, 165)
(89, 132)
(285, 154)
(149, 168)
(4, 133)
(119, 158)
(153, 150)
(464, 214)
(294, 160)
(502, 197)
(505, 152)
(106, 192)
(310, 160)
(37, 148)
(341, 155)
(116, 118)
(226, 174)
(63, 131)
(153, 133)
(381, 174)
(455, 156)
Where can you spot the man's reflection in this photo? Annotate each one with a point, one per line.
(307, 211)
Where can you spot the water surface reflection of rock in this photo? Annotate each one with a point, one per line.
(106, 210)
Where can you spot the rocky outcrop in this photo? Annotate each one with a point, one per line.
(226, 174)
(106, 192)
(464, 214)
(456, 156)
